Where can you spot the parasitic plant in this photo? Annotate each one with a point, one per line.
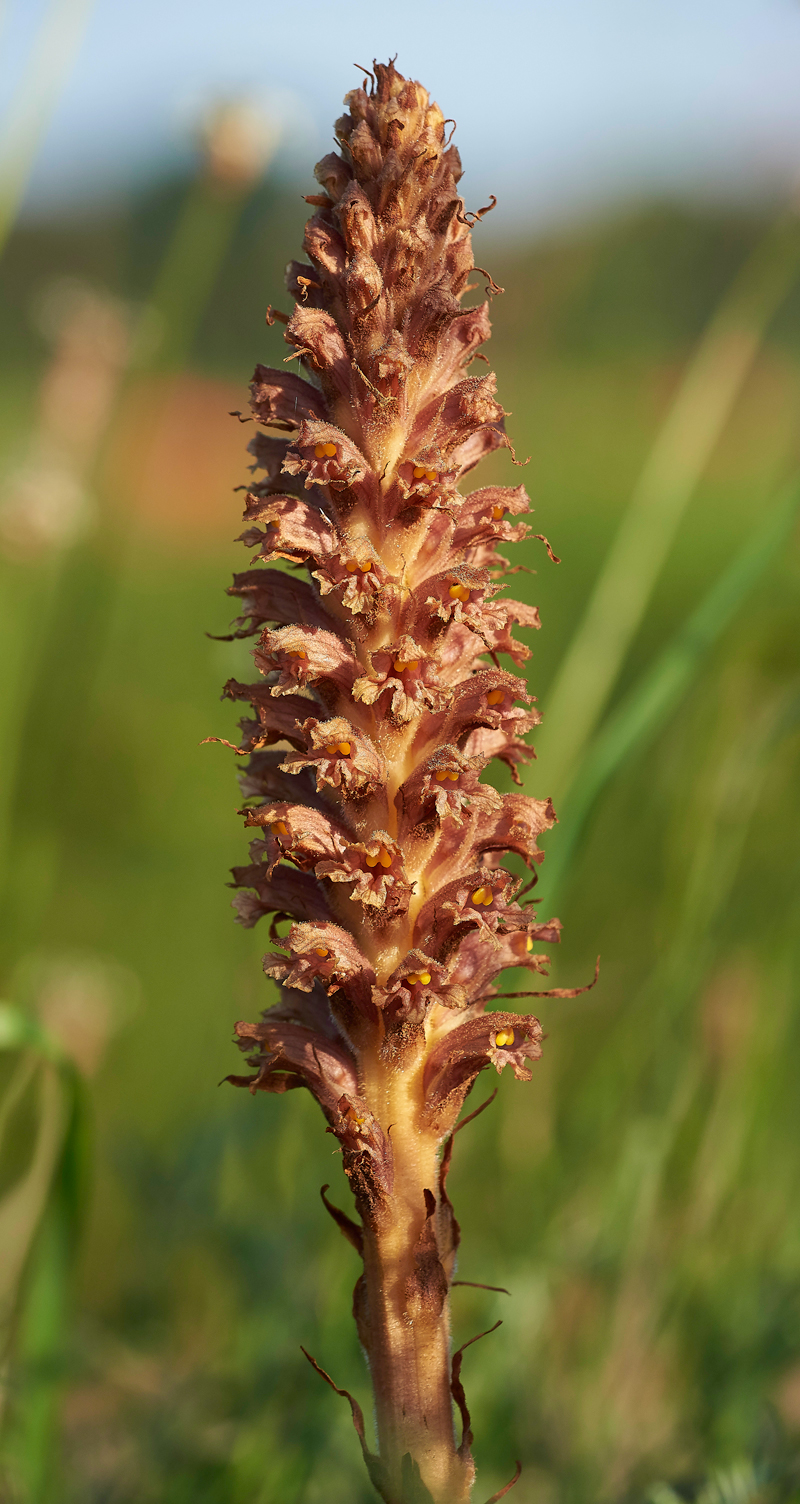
(380, 705)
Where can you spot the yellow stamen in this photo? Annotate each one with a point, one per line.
(425, 977)
(483, 896)
(495, 697)
(445, 773)
(528, 943)
(504, 1037)
(332, 751)
(459, 592)
(498, 513)
(321, 951)
(280, 828)
(383, 856)
(329, 450)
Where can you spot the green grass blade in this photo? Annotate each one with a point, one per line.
(40, 1355)
(651, 699)
(700, 411)
(38, 92)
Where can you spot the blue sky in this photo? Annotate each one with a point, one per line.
(562, 105)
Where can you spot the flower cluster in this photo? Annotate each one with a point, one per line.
(375, 599)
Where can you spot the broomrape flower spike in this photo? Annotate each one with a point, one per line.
(378, 707)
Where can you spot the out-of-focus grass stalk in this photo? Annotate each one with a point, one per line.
(654, 695)
(37, 94)
(85, 585)
(702, 407)
(721, 837)
(186, 278)
(80, 605)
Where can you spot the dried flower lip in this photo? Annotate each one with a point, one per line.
(327, 1068)
(297, 833)
(360, 771)
(376, 871)
(294, 529)
(346, 467)
(284, 891)
(280, 399)
(457, 1059)
(306, 655)
(272, 595)
(324, 953)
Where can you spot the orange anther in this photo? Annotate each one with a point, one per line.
(296, 653)
(431, 475)
(399, 665)
(483, 896)
(459, 592)
(329, 450)
(332, 751)
(495, 697)
(280, 828)
(528, 943)
(320, 451)
(498, 513)
(344, 749)
(419, 471)
(424, 977)
(385, 857)
(371, 861)
(413, 663)
(321, 951)
(504, 1037)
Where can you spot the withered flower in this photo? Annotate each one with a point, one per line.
(380, 704)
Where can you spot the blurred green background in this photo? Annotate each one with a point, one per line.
(166, 1247)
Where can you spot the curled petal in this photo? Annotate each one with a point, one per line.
(444, 786)
(319, 953)
(376, 870)
(293, 530)
(341, 757)
(297, 833)
(326, 457)
(499, 1039)
(306, 655)
(285, 891)
(515, 825)
(314, 1060)
(279, 719)
(404, 678)
(280, 399)
(275, 596)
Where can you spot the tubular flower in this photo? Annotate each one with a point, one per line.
(379, 706)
